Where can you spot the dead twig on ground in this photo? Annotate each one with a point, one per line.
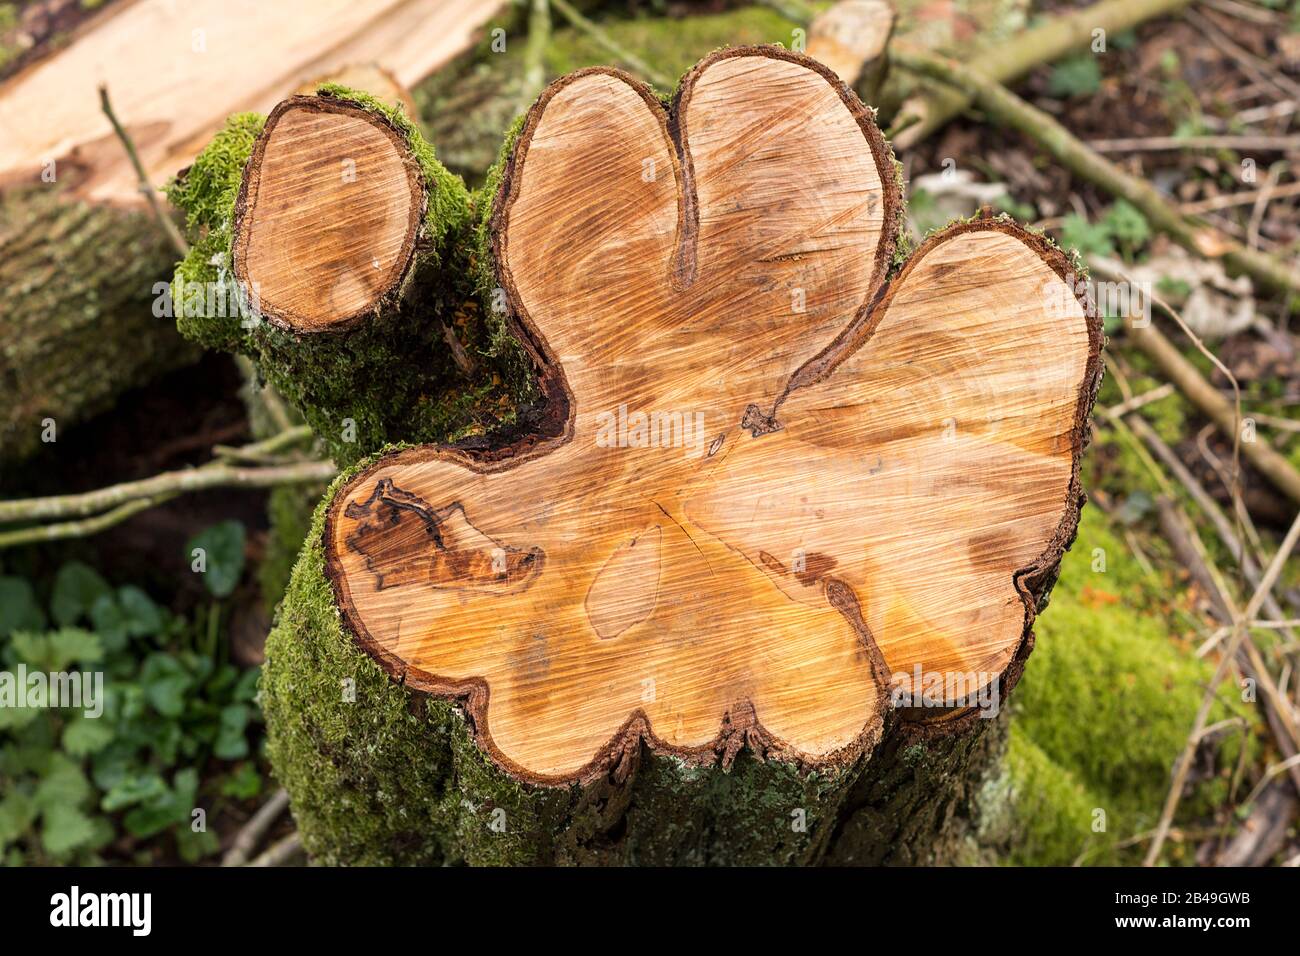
(1239, 632)
(1011, 59)
(251, 833)
(282, 853)
(1153, 144)
(97, 510)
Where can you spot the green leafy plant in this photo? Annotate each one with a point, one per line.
(172, 738)
(219, 551)
(1122, 230)
(1075, 76)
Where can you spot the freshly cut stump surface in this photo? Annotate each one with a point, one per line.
(326, 221)
(778, 485)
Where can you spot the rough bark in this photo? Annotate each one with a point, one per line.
(79, 326)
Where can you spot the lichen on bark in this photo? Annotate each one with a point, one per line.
(79, 326)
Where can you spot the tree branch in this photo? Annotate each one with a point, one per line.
(1009, 109)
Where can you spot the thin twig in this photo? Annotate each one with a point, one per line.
(1154, 144)
(271, 400)
(215, 474)
(1224, 414)
(1010, 59)
(146, 187)
(63, 530)
(1004, 106)
(250, 834)
(1244, 11)
(1218, 520)
(1141, 401)
(1207, 701)
(1191, 553)
(281, 853)
(1261, 205)
(288, 438)
(1258, 70)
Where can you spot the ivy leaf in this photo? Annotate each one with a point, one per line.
(231, 743)
(1127, 225)
(65, 828)
(64, 784)
(1075, 76)
(73, 646)
(165, 682)
(56, 650)
(11, 718)
(76, 588)
(223, 548)
(142, 616)
(246, 687)
(1090, 239)
(18, 608)
(85, 735)
(132, 791)
(193, 845)
(244, 784)
(17, 813)
(110, 625)
(172, 807)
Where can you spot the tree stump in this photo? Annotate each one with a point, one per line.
(744, 588)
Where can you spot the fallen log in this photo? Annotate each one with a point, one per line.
(232, 57)
(79, 326)
(744, 589)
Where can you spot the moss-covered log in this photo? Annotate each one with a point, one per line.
(81, 322)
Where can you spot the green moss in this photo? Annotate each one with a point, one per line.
(289, 512)
(208, 189)
(1054, 813)
(206, 193)
(1108, 698)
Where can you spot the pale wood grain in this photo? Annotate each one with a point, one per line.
(177, 70)
(328, 216)
(879, 470)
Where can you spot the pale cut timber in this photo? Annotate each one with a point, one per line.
(175, 97)
(851, 37)
(327, 215)
(776, 484)
(368, 78)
